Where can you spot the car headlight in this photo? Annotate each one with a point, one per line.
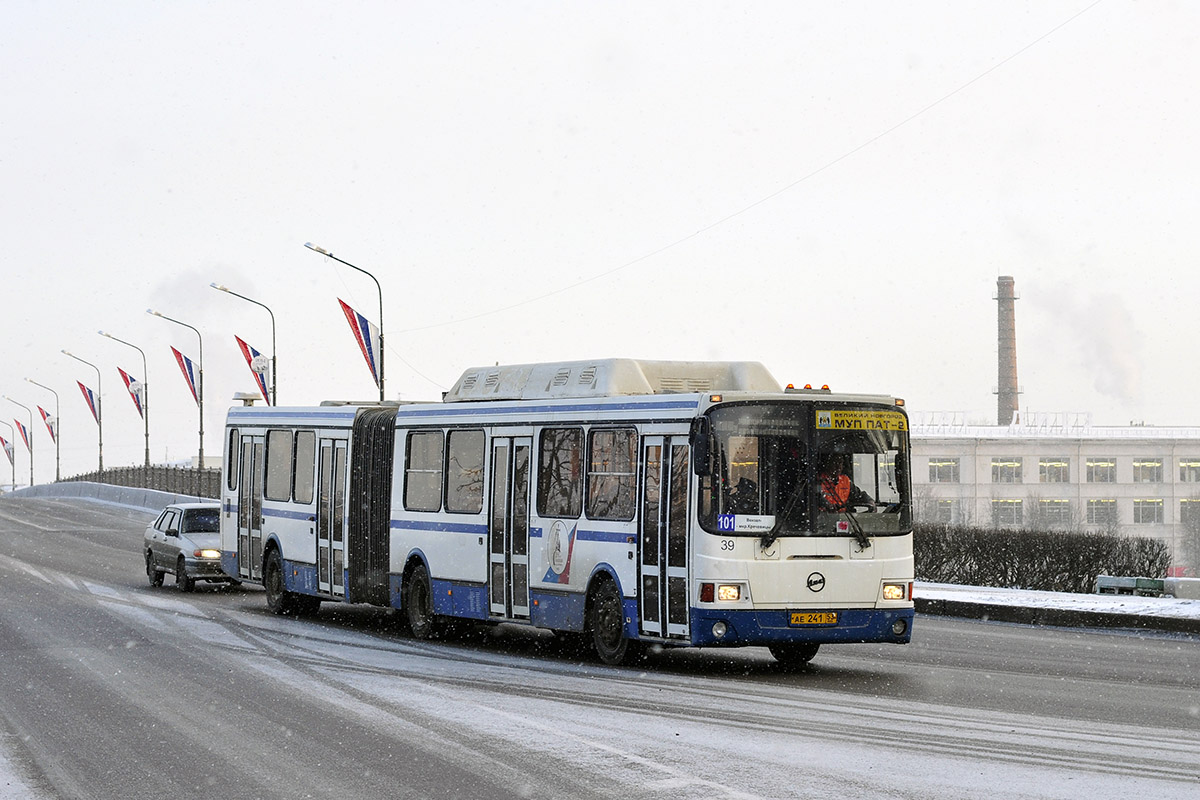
(206, 553)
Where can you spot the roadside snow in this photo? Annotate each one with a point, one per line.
(1097, 603)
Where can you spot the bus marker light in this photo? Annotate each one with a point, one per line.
(719, 629)
(729, 592)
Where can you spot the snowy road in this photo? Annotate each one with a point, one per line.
(110, 688)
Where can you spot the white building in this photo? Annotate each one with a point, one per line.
(1059, 471)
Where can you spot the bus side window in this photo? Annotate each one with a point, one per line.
(560, 473)
(231, 459)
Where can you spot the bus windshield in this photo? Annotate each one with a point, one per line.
(805, 468)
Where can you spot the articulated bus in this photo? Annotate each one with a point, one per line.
(634, 502)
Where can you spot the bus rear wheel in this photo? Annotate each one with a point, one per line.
(606, 623)
(279, 599)
(794, 654)
(418, 603)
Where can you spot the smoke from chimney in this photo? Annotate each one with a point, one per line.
(1007, 392)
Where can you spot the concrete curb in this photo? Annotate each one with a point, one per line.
(1060, 617)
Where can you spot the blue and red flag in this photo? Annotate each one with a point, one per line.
(51, 423)
(24, 435)
(8, 450)
(135, 390)
(366, 333)
(258, 367)
(90, 398)
(189, 372)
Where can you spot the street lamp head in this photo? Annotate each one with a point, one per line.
(152, 312)
(219, 287)
(105, 333)
(68, 353)
(317, 249)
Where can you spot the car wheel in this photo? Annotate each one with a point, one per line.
(794, 654)
(606, 623)
(152, 572)
(182, 580)
(418, 603)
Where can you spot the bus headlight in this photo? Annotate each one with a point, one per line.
(894, 591)
(729, 591)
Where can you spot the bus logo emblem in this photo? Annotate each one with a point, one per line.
(816, 582)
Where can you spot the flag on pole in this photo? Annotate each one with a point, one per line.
(258, 364)
(51, 423)
(135, 391)
(366, 333)
(189, 373)
(90, 398)
(24, 435)
(8, 450)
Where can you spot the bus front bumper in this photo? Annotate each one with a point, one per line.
(716, 627)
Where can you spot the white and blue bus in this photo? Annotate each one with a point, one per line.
(635, 502)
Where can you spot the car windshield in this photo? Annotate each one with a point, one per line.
(201, 520)
(804, 468)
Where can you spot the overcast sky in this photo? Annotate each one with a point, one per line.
(831, 189)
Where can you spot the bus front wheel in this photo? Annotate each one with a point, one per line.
(794, 654)
(279, 599)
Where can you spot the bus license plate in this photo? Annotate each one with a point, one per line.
(813, 618)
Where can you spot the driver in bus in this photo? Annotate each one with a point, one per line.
(837, 491)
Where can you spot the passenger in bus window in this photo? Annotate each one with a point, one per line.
(744, 497)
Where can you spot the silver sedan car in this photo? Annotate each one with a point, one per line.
(185, 541)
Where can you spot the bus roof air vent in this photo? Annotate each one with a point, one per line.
(610, 377)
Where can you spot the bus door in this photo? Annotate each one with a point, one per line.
(331, 517)
(508, 528)
(250, 497)
(663, 537)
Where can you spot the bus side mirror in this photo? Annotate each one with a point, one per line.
(700, 438)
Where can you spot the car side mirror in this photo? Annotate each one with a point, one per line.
(172, 531)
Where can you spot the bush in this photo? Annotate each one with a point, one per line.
(1055, 561)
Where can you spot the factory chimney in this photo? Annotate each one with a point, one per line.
(1007, 392)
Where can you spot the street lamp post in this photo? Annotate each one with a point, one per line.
(12, 435)
(30, 442)
(99, 402)
(199, 376)
(58, 427)
(145, 391)
(227, 290)
(379, 289)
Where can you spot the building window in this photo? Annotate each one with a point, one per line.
(464, 472)
(1055, 513)
(1148, 470)
(943, 512)
(1189, 514)
(423, 472)
(1006, 512)
(560, 473)
(1006, 469)
(1147, 512)
(1101, 469)
(1054, 469)
(943, 469)
(612, 474)
(1102, 512)
(1189, 470)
